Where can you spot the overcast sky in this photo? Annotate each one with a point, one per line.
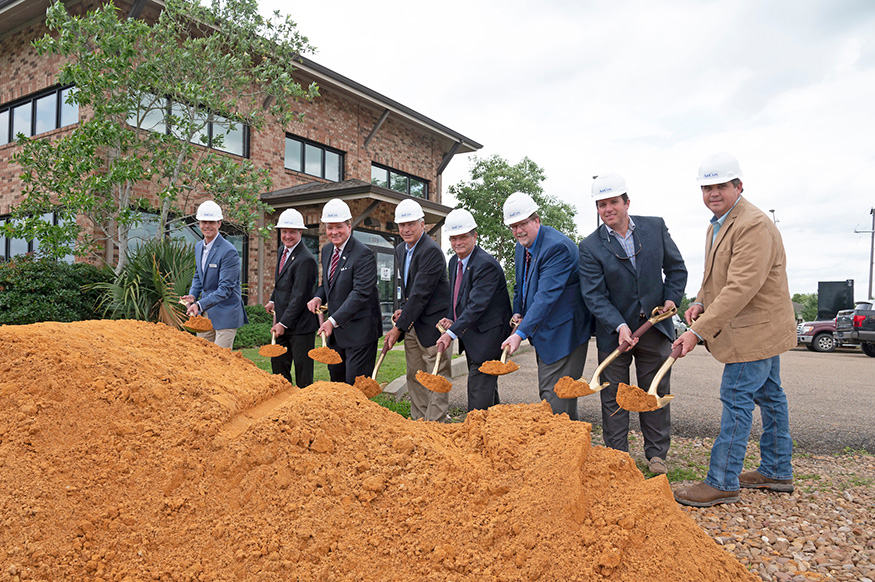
(647, 89)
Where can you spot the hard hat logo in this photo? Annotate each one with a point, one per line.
(718, 169)
(408, 210)
(209, 211)
(335, 210)
(608, 186)
(517, 207)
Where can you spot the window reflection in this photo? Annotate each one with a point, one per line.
(4, 127)
(69, 111)
(46, 113)
(21, 118)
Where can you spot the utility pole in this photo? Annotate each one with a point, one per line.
(773, 216)
(871, 250)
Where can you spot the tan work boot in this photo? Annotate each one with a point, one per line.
(703, 495)
(657, 466)
(756, 480)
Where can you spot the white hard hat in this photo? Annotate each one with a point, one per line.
(335, 210)
(718, 169)
(460, 221)
(209, 210)
(608, 186)
(518, 206)
(291, 218)
(408, 210)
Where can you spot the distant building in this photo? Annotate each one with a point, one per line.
(353, 143)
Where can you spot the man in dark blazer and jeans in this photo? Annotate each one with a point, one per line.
(294, 282)
(425, 299)
(349, 288)
(622, 267)
(480, 312)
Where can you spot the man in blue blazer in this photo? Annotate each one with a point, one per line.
(349, 289)
(425, 299)
(547, 302)
(628, 266)
(215, 289)
(479, 314)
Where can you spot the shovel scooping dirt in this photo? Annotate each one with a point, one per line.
(369, 385)
(198, 324)
(272, 350)
(596, 385)
(502, 366)
(634, 399)
(324, 354)
(434, 381)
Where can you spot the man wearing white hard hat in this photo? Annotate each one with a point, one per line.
(744, 314)
(215, 289)
(349, 289)
(479, 314)
(294, 282)
(546, 300)
(425, 299)
(628, 266)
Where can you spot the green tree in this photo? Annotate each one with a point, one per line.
(809, 305)
(493, 179)
(221, 67)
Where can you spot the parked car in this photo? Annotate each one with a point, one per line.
(817, 336)
(858, 325)
(679, 326)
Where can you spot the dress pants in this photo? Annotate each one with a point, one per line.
(297, 346)
(224, 338)
(424, 403)
(482, 388)
(357, 361)
(652, 349)
(549, 374)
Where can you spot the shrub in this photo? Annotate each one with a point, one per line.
(252, 335)
(257, 314)
(34, 290)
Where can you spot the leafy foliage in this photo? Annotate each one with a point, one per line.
(34, 290)
(224, 60)
(150, 283)
(257, 314)
(252, 335)
(809, 305)
(493, 179)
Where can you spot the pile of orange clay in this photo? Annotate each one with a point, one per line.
(130, 451)
(635, 399)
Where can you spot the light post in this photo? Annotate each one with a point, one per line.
(871, 249)
(774, 219)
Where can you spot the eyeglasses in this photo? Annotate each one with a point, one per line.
(520, 225)
(626, 258)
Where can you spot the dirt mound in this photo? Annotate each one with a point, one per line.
(130, 451)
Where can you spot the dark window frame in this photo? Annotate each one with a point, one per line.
(400, 174)
(32, 99)
(322, 161)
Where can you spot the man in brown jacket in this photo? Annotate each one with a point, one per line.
(744, 315)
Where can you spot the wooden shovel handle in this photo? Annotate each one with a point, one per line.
(383, 353)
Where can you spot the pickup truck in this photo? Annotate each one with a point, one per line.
(817, 336)
(858, 325)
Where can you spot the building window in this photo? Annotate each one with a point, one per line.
(36, 114)
(218, 133)
(399, 181)
(314, 159)
(18, 246)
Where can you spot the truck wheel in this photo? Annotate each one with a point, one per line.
(868, 349)
(824, 342)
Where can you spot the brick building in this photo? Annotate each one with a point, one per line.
(352, 143)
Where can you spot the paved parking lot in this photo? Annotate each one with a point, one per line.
(831, 396)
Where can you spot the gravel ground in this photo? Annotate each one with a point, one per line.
(824, 530)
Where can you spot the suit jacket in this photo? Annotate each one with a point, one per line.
(425, 298)
(483, 306)
(555, 318)
(616, 292)
(748, 312)
(217, 288)
(352, 299)
(293, 288)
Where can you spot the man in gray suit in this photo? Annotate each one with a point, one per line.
(621, 276)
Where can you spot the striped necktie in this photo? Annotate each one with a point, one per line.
(333, 270)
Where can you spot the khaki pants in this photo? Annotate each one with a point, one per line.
(424, 403)
(224, 338)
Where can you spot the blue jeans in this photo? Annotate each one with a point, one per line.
(744, 385)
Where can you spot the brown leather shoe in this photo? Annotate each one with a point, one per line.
(756, 480)
(703, 495)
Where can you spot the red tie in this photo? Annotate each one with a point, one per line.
(456, 287)
(283, 259)
(334, 260)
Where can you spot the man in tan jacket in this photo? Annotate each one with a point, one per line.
(744, 315)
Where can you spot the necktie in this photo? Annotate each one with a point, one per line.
(334, 260)
(528, 262)
(456, 286)
(283, 259)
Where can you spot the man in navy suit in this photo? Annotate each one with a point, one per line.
(425, 299)
(547, 301)
(479, 315)
(216, 280)
(622, 264)
(349, 289)
(294, 282)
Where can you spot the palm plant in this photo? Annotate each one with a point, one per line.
(151, 282)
